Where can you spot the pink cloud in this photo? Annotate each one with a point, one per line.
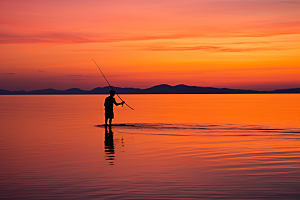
(71, 22)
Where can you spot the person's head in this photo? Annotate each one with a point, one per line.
(112, 93)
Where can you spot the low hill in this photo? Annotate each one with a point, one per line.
(158, 89)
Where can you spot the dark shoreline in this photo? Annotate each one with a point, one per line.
(158, 89)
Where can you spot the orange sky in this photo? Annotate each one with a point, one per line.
(248, 44)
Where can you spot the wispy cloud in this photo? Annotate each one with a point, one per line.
(87, 50)
(82, 38)
(74, 75)
(78, 38)
(211, 48)
(42, 38)
(10, 73)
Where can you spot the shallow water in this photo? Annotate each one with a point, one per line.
(169, 147)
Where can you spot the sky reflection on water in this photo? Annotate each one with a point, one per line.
(51, 149)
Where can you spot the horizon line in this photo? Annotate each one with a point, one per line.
(148, 88)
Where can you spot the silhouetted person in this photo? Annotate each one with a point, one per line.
(109, 107)
(109, 145)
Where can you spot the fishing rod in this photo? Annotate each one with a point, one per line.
(111, 86)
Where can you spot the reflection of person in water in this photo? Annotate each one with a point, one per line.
(109, 106)
(109, 145)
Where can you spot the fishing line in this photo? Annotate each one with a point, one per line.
(123, 115)
(111, 86)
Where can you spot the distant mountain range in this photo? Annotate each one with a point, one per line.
(158, 89)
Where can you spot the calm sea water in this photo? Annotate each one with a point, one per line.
(172, 147)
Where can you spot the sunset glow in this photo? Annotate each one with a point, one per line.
(247, 44)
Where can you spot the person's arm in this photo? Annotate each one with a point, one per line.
(118, 103)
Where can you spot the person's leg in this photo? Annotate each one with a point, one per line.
(106, 121)
(110, 120)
